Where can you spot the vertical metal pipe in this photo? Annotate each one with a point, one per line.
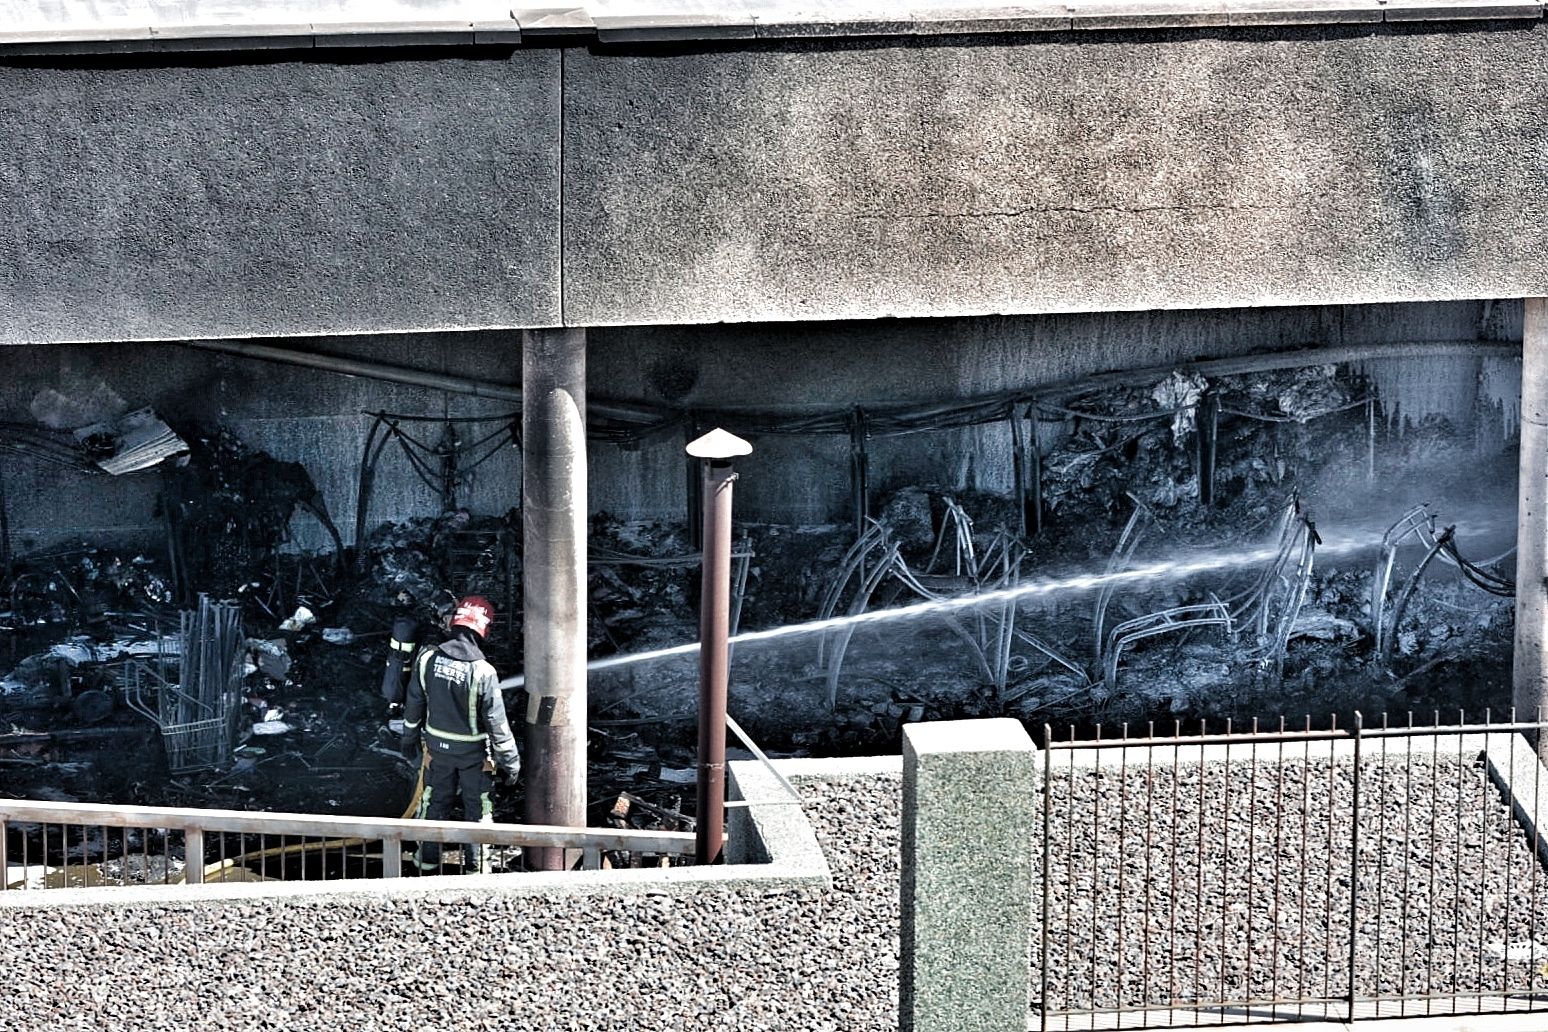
(1532, 905)
(553, 436)
(1150, 806)
(1096, 873)
(1207, 418)
(1354, 870)
(1042, 974)
(1068, 883)
(1408, 810)
(714, 675)
(1455, 880)
(1225, 871)
(1380, 787)
(1483, 801)
(1123, 859)
(1305, 884)
(1430, 901)
(859, 469)
(1530, 674)
(1173, 844)
(1198, 886)
(1035, 453)
(1018, 474)
(1279, 838)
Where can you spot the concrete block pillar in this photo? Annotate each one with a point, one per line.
(970, 808)
(1530, 674)
(553, 493)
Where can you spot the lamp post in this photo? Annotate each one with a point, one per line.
(716, 448)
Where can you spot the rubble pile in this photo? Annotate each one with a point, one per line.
(1314, 439)
(228, 510)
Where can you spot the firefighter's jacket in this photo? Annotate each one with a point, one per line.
(455, 702)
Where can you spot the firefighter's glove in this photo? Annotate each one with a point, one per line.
(508, 777)
(410, 750)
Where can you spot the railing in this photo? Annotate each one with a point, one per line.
(1238, 877)
(55, 845)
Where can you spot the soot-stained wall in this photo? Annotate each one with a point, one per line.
(296, 414)
(833, 367)
(319, 419)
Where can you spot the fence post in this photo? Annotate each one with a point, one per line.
(1354, 869)
(392, 856)
(967, 882)
(193, 856)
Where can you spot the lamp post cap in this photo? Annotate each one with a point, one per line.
(718, 444)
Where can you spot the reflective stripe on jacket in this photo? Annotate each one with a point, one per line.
(455, 701)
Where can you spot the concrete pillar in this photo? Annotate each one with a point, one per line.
(1530, 694)
(553, 492)
(970, 808)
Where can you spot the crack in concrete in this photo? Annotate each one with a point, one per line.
(1023, 212)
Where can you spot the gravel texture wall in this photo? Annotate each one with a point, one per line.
(715, 960)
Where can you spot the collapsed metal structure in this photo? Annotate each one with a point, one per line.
(1419, 524)
(875, 570)
(197, 712)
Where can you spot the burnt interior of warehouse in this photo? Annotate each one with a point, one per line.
(213, 550)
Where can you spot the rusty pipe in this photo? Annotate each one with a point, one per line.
(716, 448)
(714, 675)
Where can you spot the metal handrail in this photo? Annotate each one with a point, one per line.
(736, 729)
(268, 823)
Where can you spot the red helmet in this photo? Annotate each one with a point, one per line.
(475, 612)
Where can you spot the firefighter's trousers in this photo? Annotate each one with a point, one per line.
(447, 778)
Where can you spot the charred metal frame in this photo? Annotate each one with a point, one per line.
(874, 568)
(1419, 523)
(875, 560)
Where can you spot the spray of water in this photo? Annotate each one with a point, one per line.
(1150, 573)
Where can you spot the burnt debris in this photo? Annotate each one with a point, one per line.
(1235, 544)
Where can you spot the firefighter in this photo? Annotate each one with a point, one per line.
(455, 707)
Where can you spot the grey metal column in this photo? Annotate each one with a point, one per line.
(553, 492)
(1530, 695)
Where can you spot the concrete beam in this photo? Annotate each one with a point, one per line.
(969, 806)
(33, 27)
(1070, 172)
(921, 174)
(154, 200)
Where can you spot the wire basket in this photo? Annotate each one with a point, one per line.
(200, 745)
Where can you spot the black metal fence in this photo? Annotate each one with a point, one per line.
(1282, 875)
